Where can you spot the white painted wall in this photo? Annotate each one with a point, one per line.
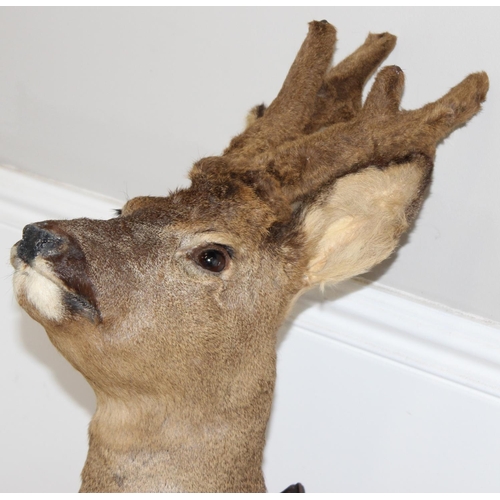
(347, 421)
(122, 101)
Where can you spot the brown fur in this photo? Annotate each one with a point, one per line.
(317, 189)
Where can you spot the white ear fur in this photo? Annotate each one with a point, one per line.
(358, 223)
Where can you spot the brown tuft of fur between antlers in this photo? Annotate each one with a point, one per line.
(171, 309)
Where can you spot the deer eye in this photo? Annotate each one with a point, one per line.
(214, 258)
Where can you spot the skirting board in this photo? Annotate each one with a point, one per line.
(396, 326)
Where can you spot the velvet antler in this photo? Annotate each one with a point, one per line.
(312, 96)
(296, 156)
(285, 118)
(379, 135)
(303, 141)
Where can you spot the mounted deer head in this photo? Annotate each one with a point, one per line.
(171, 309)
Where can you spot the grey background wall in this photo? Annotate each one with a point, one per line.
(122, 101)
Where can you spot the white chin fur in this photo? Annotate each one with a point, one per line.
(41, 292)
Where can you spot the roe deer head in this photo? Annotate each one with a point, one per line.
(170, 310)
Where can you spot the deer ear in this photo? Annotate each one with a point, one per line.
(358, 222)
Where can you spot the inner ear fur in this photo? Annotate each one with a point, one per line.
(357, 223)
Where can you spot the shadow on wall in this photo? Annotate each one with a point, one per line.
(37, 344)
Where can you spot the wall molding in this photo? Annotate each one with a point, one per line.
(422, 335)
(396, 326)
(26, 197)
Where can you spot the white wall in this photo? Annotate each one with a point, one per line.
(122, 101)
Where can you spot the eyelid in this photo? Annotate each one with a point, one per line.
(206, 245)
(229, 249)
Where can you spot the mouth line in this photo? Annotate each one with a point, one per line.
(21, 266)
(79, 305)
(75, 302)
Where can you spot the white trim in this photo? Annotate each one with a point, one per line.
(25, 198)
(427, 337)
(393, 325)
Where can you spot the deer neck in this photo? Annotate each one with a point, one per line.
(152, 445)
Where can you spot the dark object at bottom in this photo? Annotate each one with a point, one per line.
(295, 488)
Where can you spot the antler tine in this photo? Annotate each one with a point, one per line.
(287, 115)
(385, 95)
(457, 107)
(422, 129)
(381, 134)
(339, 98)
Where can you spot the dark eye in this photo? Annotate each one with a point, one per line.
(212, 259)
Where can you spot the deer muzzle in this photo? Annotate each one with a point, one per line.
(51, 274)
(37, 241)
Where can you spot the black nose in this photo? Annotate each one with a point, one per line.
(38, 241)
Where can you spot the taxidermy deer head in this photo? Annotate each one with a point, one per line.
(170, 310)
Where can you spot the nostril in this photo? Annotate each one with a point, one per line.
(38, 241)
